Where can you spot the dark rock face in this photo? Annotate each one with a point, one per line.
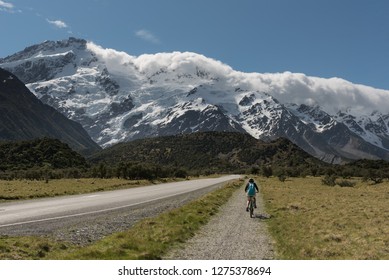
(107, 83)
(210, 119)
(41, 69)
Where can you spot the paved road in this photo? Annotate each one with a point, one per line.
(41, 210)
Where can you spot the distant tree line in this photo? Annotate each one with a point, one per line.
(46, 159)
(136, 171)
(130, 171)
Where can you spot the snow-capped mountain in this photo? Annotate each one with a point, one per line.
(118, 97)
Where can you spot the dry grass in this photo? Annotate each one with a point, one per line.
(28, 247)
(314, 221)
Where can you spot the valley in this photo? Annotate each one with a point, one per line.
(306, 220)
(77, 120)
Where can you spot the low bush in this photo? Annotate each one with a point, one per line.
(346, 183)
(329, 180)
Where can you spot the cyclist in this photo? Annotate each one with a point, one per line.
(251, 189)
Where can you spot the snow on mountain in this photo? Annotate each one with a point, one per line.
(118, 97)
(373, 128)
(314, 116)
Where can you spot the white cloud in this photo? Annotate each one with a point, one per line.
(57, 23)
(116, 61)
(147, 36)
(6, 6)
(331, 94)
(181, 62)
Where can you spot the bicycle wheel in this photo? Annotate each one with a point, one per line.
(251, 208)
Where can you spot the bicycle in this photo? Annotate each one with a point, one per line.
(251, 206)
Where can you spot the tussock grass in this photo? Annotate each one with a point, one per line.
(314, 221)
(28, 247)
(151, 238)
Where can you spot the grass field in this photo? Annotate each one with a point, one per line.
(314, 221)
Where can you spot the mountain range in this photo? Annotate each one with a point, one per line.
(117, 97)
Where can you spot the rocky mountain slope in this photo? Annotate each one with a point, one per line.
(118, 97)
(24, 117)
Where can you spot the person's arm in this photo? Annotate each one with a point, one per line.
(245, 189)
(256, 187)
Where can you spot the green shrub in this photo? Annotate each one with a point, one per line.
(282, 178)
(346, 183)
(329, 180)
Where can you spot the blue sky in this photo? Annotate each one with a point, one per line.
(348, 39)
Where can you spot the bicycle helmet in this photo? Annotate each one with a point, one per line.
(251, 180)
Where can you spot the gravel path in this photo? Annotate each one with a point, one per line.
(231, 234)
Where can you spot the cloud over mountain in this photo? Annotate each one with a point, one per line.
(332, 94)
